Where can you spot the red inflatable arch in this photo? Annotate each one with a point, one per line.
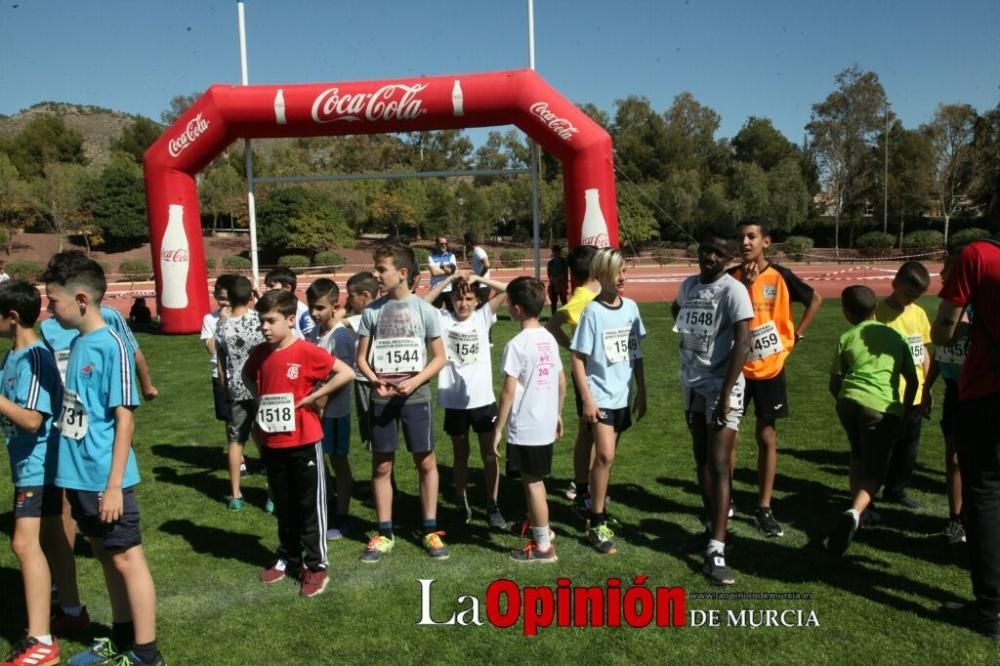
(226, 113)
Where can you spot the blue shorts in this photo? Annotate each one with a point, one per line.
(337, 436)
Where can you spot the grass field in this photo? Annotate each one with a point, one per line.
(877, 605)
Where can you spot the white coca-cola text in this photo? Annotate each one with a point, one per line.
(392, 102)
(178, 255)
(563, 128)
(195, 128)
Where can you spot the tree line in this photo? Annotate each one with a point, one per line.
(856, 169)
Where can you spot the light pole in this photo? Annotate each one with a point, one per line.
(885, 177)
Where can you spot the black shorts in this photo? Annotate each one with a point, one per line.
(219, 398)
(119, 535)
(385, 419)
(949, 410)
(619, 419)
(363, 404)
(480, 419)
(37, 502)
(770, 396)
(534, 461)
(872, 436)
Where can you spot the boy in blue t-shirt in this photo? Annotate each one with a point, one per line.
(97, 466)
(30, 390)
(606, 357)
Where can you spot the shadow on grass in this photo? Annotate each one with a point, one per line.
(219, 543)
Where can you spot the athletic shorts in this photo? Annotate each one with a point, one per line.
(241, 416)
(37, 502)
(363, 403)
(480, 419)
(770, 396)
(386, 418)
(703, 399)
(620, 419)
(534, 461)
(219, 398)
(872, 436)
(119, 535)
(949, 410)
(337, 436)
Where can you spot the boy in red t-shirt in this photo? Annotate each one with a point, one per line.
(291, 379)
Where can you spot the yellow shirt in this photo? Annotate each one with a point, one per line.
(915, 328)
(580, 299)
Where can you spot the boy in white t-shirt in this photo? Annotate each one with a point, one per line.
(341, 341)
(606, 358)
(465, 384)
(532, 399)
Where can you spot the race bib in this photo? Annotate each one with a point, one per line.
(953, 354)
(397, 355)
(917, 348)
(276, 413)
(764, 342)
(696, 324)
(73, 421)
(463, 347)
(62, 362)
(620, 345)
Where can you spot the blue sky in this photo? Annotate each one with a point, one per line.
(772, 58)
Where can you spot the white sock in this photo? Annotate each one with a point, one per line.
(72, 611)
(716, 547)
(855, 515)
(541, 536)
(44, 640)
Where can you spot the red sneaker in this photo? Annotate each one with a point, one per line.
(313, 583)
(29, 652)
(62, 624)
(274, 573)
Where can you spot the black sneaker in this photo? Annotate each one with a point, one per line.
(843, 533)
(764, 518)
(904, 500)
(581, 506)
(972, 617)
(717, 571)
(955, 532)
(870, 517)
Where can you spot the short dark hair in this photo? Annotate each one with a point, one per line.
(20, 297)
(323, 288)
(282, 275)
(363, 281)
(73, 267)
(461, 287)
(752, 221)
(223, 282)
(557, 248)
(277, 299)
(720, 231)
(470, 237)
(402, 256)
(579, 261)
(527, 293)
(914, 274)
(859, 301)
(240, 290)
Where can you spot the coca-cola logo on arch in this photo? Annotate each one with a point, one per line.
(395, 101)
(563, 128)
(195, 128)
(178, 255)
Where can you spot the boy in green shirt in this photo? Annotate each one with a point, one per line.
(865, 377)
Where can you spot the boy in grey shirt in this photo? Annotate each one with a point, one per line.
(712, 313)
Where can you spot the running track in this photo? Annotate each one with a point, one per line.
(646, 284)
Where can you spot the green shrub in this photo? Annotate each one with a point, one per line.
(23, 269)
(692, 251)
(965, 236)
(662, 256)
(874, 244)
(923, 240)
(423, 256)
(796, 247)
(294, 261)
(135, 269)
(236, 262)
(210, 263)
(512, 258)
(329, 258)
